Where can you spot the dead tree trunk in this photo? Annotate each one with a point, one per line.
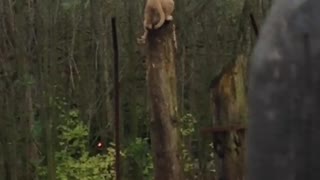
(161, 79)
(230, 108)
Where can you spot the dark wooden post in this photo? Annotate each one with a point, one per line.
(116, 97)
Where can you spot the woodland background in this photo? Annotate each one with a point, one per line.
(56, 84)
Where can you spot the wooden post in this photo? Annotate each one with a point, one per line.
(116, 97)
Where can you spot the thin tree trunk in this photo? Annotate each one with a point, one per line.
(12, 144)
(30, 144)
(46, 111)
(161, 79)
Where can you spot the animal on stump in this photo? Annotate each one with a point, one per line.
(156, 12)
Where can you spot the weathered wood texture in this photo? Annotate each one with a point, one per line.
(229, 99)
(161, 79)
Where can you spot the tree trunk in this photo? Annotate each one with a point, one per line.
(230, 109)
(161, 79)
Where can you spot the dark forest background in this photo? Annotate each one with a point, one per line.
(56, 85)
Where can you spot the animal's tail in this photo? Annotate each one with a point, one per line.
(161, 15)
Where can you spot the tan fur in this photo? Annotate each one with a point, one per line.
(156, 12)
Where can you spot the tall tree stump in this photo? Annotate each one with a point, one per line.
(161, 81)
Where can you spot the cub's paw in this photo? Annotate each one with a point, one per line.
(169, 18)
(148, 26)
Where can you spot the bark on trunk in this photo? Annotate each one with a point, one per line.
(230, 109)
(161, 79)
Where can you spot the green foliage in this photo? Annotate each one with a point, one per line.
(72, 158)
(187, 130)
(211, 163)
(139, 159)
(187, 125)
(191, 164)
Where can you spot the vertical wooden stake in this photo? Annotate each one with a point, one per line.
(116, 97)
